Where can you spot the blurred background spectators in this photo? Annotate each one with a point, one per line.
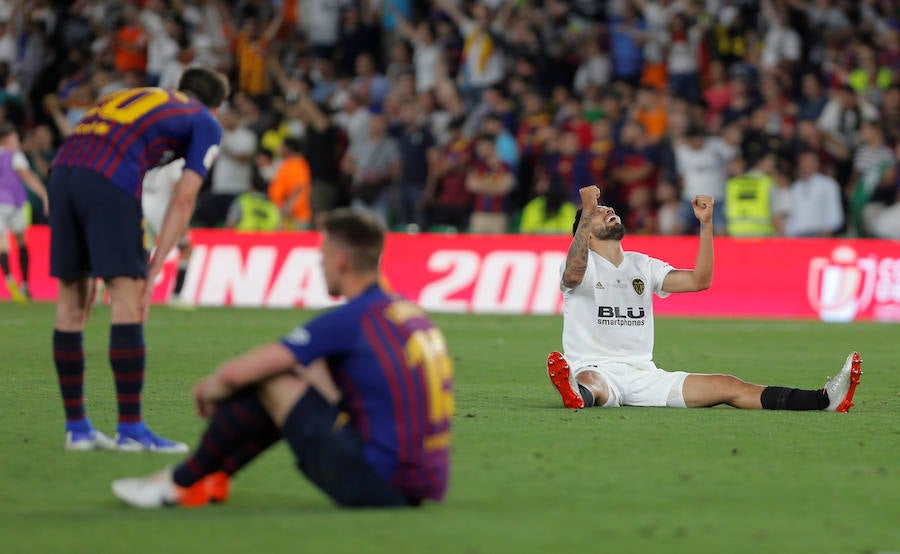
(458, 115)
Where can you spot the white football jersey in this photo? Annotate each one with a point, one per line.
(609, 316)
(156, 191)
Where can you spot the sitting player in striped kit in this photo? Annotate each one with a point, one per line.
(362, 395)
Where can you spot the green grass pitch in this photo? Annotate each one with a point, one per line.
(527, 475)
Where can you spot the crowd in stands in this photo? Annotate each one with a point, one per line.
(488, 115)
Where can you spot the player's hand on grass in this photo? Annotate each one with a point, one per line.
(703, 207)
(590, 199)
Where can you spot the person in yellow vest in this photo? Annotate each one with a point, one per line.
(549, 213)
(751, 199)
(253, 211)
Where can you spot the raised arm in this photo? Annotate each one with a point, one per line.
(458, 17)
(699, 278)
(577, 257)
(273, 27)
(406, 28)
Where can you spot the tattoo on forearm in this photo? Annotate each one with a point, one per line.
(576, 259)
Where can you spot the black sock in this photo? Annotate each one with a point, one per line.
(127, 357)
(239, 429)
(179, 278)
(68, 355)
(586, 395)
(4, 264)
(784, 398)
(23, 262)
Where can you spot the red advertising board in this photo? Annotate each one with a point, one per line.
(835, 280)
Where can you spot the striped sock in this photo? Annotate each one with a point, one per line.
(68, 356)
(126, 355)
(239, 429)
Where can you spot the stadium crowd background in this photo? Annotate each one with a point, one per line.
(489, 115)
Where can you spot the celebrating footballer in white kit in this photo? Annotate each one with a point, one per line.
(608, 327)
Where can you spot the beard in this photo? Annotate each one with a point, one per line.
(616, 232)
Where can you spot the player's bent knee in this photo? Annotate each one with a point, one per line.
(280, 393)
(596, 384)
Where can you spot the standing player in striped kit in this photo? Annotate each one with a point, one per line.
(362, 395)
(96, 232)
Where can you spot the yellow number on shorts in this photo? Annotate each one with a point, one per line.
(428, 350)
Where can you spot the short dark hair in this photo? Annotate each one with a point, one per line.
(294, 144)
(6, 129)
(362, 232)
(207, 85)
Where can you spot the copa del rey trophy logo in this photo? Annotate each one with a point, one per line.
(841, 287)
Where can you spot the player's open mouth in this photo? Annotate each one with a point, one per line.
(613, 218)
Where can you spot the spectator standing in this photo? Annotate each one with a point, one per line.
(446, 200)
(354, 118)
(253, 211)
(427, 53)
(418, 154)
(373, 165)
(627, 55)
(162, 50)
(812, 97)
(369, 83)
(325, 146)
(871, 164)
(549, 213)
(882, 213)
(482, 60)
(701, 163)
(320, 20)
(634, 166)
(683, 58)
(751, 199)
(490, 181)
(842, 118)
(232, 171)
(814, 209)
(250, 51)
(291, 186)
(130, 42)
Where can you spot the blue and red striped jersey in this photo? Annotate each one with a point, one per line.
(395, 375)
(132, 130)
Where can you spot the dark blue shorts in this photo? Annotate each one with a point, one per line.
(96, 228)
(330, 454)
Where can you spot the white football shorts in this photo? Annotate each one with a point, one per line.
(13, 219)
(639, 384)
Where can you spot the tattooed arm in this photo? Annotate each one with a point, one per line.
(577, 258)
